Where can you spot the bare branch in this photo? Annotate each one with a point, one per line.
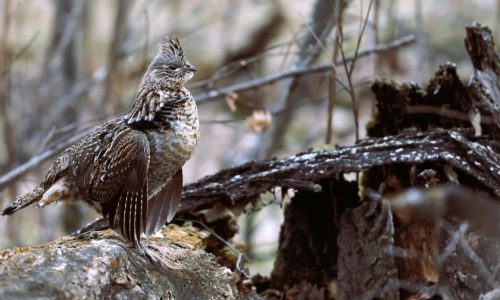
(332, 84)
(348, 71)
(245, 182)
(360, 37)
(463, 242)
(319, 68)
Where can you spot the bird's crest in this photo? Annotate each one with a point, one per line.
(171, 48)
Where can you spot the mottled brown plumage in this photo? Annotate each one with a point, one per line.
(130, 168)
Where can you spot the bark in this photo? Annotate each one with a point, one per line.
(366, 269)
(243, 184)
(484, 84)
(307, 246)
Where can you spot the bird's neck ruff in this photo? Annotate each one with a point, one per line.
(150, 102)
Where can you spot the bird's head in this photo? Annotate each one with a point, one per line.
(170, 68)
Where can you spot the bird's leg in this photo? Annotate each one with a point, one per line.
(96, 225)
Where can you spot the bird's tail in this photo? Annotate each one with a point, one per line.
(23, 201)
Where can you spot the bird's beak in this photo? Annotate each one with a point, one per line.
(190, 67)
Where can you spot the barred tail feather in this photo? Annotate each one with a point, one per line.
(23, 201)
(164, 205)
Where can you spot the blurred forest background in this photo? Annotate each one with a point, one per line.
(66, 66)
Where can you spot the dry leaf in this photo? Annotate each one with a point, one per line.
(259, 121)
(231, 101)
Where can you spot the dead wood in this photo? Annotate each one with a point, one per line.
(470, 155)
(366, 268)
(308, 239)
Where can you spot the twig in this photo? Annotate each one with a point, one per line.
(471, 254)
(319, 68)
(355, 102)
(332, 86)
(228, 69)
(452, 244)
(376, 36)
(146, 42)
(434, 204)
(360, 37)
(332, 92)
(231, 247)
(280, 111)
(376, 21)
(399, 284)
(321, 23)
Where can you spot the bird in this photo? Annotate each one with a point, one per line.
(130, 168)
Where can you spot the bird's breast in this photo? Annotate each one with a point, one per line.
(172, 147)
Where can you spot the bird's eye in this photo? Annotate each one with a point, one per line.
(173, 68)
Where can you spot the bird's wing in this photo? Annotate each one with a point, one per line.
(119, 182)
(79, 157)
(164, 204)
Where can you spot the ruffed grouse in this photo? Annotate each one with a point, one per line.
(130, 168)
